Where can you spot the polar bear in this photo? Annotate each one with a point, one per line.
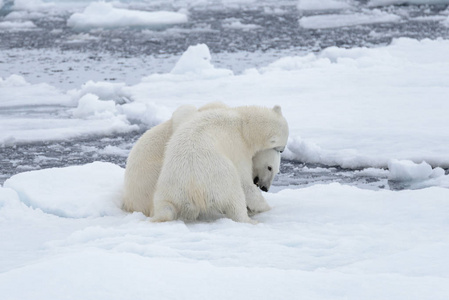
(208, 162)
(145, 161)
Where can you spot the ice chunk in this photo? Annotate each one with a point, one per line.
(103, 14)
(90, 106)
(407, 170)
(196, 60)
(9, 25)
(338, 20)
(90, 190)
(16, 91)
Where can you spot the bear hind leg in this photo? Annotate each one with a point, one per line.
(164, 212)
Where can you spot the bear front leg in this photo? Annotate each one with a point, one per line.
(255, 201)
(234, 206)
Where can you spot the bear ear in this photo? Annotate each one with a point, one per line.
(277, 109)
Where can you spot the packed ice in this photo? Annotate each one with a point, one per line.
(380, 112)
(103, 14)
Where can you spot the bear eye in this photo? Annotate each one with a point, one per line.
(280, 149)
(269, 168)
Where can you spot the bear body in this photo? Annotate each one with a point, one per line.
(208, 165)
(145, 161)
(146, 158)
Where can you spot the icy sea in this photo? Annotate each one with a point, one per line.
(360, 209)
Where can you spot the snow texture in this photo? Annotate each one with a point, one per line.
(322, 242)
(103, 14)
(376, 106)
(380, 111)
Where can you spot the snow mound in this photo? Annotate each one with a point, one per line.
(196, 61)
(90, 106)
(407, 170)
(338, 20)
(104, 90)
(91, 190)
(103, 14)
(417, 175)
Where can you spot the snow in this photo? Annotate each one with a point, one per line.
(353, 19)
(378, 103)
(380, 111)
(89, 106)
(103, 14)
(322, 242)
(417, 175)
(196, 61)
(16, 91)
(91, 190)
(33, 128)
(8, 25)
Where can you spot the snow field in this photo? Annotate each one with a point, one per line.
(64, 235)
(326, 242)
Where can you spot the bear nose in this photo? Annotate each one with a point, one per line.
(256, 179)
(264, 189)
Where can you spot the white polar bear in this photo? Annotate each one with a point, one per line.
(208, 162)
(145, 161)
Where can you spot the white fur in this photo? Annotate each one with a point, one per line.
(266, 164)
(145, 161)
(208, 162)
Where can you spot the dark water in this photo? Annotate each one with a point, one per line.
(34, 156)
(279, 31)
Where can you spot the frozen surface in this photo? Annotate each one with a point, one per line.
(376, 106)
(326, 242)
(338, 20)
(103, 14)
(78, 192)
(364, 88)
(10, 25)
(416, 175)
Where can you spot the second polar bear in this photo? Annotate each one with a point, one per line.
(208, 162)
(145, 161)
